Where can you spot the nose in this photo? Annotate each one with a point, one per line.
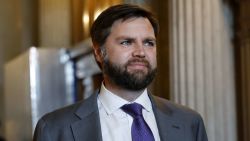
(139, 51)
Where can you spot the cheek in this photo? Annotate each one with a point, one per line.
(154, 61)
(118, 55)
(113, 57)
(152, 56)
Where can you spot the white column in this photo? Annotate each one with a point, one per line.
(202, 64)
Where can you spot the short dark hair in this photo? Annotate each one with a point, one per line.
(100, 29)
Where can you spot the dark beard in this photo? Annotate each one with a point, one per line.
(137, 80)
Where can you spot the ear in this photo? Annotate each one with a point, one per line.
(97, 52)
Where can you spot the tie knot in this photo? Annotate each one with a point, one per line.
(134, 109)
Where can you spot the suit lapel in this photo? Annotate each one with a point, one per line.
(88, 127)
(169, 129)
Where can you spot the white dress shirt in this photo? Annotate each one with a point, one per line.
(115, 123)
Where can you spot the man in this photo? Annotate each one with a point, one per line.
(124, 43)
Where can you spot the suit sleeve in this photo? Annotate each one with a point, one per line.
(41, 132)
(201, 134)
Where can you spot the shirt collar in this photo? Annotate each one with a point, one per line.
(144, 100)
(112, 102)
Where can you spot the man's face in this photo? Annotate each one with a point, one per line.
(129, 58)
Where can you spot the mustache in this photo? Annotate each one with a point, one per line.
(137, 60)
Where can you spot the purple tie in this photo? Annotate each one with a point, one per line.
(140, 130)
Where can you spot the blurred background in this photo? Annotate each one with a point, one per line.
(203, 60)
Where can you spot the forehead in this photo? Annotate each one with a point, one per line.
(132, 26)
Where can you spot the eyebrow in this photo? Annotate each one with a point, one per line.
(131, 38)
(150, 39)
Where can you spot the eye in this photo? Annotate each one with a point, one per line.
(149, 43)
(126, 42)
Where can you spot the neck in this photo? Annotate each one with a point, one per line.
(129, 95)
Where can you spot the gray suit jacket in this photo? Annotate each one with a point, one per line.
(80, 122)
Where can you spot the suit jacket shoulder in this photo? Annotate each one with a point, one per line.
(76, 122)
(177, 122)
(174, 109)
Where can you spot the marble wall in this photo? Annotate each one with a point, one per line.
(17, 33)
(54, 23)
